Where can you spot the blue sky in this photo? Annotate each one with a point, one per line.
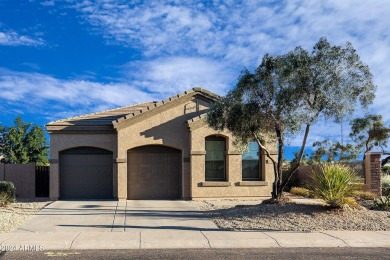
(64, 58)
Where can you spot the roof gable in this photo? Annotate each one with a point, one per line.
(158, 107)
(109, 120)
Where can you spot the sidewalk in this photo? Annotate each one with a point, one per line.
(161, 238)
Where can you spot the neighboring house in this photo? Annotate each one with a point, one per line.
(153, 150)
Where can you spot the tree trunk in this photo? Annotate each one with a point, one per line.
(280, 164)
(279, 184)
(298, 162)
(274, 185)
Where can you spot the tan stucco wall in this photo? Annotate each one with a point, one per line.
(166, 125)
(60, 142)
(22, 176)
(234, 186)
(162, 126)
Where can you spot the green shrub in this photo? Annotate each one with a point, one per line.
(385, 184)
(364, 195)
(299, 191)
(333, 184)
(382, 203)
(4, 199)
(7, 192)
(386, 169)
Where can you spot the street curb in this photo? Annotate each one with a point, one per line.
(175, 239)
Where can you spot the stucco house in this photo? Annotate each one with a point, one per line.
(153, 150)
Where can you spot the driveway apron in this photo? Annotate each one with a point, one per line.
(72, 216)
(114, 216)
(163, 215)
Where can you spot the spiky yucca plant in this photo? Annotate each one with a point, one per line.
(333, 183)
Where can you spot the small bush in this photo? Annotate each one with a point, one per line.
(385, 184)
(299, 191)
(7, 192)
(333, 184)
(386, 169)
(382, 203)
(352, 203)
(4, 199)
(364, 195)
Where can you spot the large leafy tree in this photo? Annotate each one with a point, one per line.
(369, 132)
(23, 143)
(287, 94)
(331, 151)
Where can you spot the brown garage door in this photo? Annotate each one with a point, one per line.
(86, 173)
(153, 172)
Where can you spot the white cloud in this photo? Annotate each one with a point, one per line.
(31, 87)
(34, 92)
(196, 43)
(172, 75)
(320, 131)
(239, 33)
(152, 80)
(48, 3)
(218, 28)
(11, 38)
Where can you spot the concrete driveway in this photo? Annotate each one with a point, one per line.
(114, 216)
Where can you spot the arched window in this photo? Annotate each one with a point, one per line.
(251, 163)
(215, 158)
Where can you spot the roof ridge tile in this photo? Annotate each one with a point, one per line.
(100, 112)
(115, 118)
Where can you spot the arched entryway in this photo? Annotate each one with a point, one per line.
(154, 172)
(86, 173)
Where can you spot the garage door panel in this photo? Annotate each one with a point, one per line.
(86, 176)
(154, 175)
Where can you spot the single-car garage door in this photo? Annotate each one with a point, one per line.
(153, 172)
(86, 173)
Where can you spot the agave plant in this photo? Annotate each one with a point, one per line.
(383, 203)
(333, 183)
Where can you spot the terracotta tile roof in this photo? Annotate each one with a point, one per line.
(104, 117)
(107, 119)
(168, 100)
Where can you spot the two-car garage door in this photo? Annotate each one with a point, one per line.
(86, 173)
(153, 172)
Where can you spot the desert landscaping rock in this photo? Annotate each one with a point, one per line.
(15, 214)
(292, 216)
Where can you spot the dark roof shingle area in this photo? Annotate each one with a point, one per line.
(104, 117)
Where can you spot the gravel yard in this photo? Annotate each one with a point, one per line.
(15, 214)
(296, 215)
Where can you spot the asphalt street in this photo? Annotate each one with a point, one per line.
(225, 254)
